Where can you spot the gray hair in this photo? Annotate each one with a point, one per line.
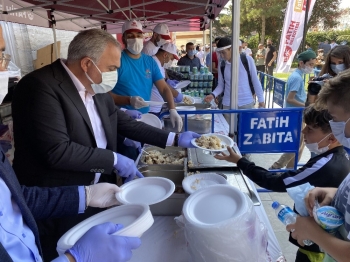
(90, 43)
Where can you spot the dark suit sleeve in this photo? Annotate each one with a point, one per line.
(46, 202)
(44, 121)
(141, 132)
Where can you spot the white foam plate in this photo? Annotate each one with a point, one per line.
(225, 141)
(136, 219)
(151, 120)
(148, 191)
(182, 84)
(189, 97)
(155, 103)
(195, 182)
(213, 205)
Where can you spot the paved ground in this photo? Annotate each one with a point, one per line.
(266, 160)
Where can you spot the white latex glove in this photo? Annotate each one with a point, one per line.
(101, 195)
(175, 117)
(137, 102)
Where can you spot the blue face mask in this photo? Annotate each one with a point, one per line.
(338, 68)
(191, 53)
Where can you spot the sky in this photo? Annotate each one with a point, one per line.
(345, 3)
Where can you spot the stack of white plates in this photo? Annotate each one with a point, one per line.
(213, 205)
(221, 225)
(136, 219)
(151, 120)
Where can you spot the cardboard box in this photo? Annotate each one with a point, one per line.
(46, 55)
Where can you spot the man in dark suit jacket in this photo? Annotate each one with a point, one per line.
(66, 126)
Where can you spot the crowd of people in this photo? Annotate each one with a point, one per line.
(75, 130)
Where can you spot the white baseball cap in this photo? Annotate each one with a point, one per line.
(163, 30)
(132, 26)
(170, 48)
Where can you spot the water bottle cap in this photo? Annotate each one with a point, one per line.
(275, 205)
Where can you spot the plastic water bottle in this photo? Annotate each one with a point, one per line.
(287, 216)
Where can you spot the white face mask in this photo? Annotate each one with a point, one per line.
(134, 45)
(313, 147)
(338, 130)
(338, 68)
(307, 70)
(109, 80)
(161, 42)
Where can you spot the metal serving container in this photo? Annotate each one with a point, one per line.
(172, 206)
(235, 178)
(203, 161)
(160, 167)
(200, 125)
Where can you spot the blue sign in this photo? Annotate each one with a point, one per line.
(278, 92)
(269, 131)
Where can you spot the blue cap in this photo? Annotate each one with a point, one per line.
(275, 205)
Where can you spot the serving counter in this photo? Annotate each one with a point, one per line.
(165, 240)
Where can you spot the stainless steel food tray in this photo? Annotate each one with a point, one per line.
(235, 178)
(172, 206)
(169, 149)
(194, 124)
(199, 158)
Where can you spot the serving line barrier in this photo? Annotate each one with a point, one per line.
(260, 130)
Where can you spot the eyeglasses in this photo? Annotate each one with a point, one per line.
(4, 61)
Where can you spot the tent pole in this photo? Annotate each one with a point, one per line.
(52, 22)
(234, 66)
(305, 25)
(55, 41)
(211, 45)
(204, 42)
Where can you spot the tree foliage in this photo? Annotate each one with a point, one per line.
(266, 18)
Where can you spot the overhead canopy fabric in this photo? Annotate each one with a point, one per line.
(179, 15)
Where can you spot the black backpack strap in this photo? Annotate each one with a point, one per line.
(246, 66)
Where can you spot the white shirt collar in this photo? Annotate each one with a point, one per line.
(80, 87)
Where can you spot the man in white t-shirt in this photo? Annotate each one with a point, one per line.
(159, 37)
(165, 54)
(245, 96)
(246, 49)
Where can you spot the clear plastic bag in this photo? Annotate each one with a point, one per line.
(14, 71)
(243, 238)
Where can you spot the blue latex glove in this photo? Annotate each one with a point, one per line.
(6, 145)
(129, 142)
(135, 114)
(172, 83)
(185, 139)
(126, 168)
(179, 98)
(98, 244)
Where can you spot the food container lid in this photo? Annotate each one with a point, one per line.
(136, 219)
